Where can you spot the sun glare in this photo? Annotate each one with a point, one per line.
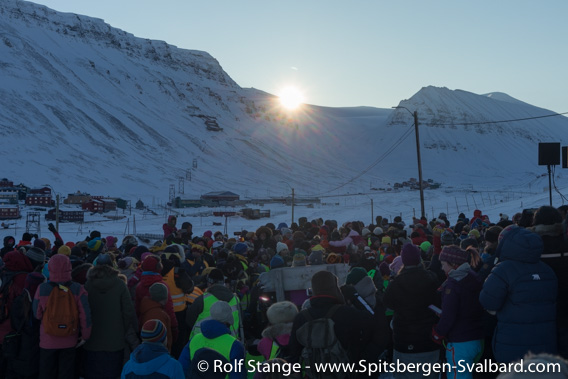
(291, 98)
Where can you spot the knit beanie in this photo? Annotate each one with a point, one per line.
(64, 249)
(96, 244)
(281, 246)
(324, 283)
(158, 292)
(454, 255)
(316, 257)
(282, 312)
(384, 269)
(474, 233)
(365, 232)
(153, 331)
(492, 233)
(40, 243)
(386, 240)
(355, 275)
(277, 262)
(222, 312)
(447, 238)
(36, 255)
(470, 241)
(102, 260)
(410, 255)
(298, 260)
(378, 231)
(396, 265)
(150, 264)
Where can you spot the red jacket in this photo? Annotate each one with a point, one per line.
(143, 290)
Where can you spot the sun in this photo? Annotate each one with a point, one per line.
(291, 97)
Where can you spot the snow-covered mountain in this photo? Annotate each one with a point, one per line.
(89, 107)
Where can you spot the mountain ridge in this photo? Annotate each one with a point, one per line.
(94, 108)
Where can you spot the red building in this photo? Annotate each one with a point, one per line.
(99, 205)
(39, 196)
(6, 183)
(9, 211)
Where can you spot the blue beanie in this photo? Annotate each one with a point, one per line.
(240, 248)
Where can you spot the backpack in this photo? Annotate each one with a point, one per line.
(5, 284)
(61, 316)
(321, 344)
(20, 314)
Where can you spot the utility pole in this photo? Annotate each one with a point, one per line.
(420, 185)
(292, 207)
(57, 212)
(372, 215)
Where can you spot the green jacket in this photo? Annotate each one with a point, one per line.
(112, 310)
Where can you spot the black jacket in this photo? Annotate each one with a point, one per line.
(409, 294)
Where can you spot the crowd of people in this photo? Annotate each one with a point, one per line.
(425, 292)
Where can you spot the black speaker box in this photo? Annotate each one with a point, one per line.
(548, 153)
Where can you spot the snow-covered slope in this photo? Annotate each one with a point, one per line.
(89, 107)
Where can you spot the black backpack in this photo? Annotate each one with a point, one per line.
(321, 344)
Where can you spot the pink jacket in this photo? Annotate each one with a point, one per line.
(60, 272)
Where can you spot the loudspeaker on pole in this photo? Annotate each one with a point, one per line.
(548, 153)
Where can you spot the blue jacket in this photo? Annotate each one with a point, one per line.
(151, 360)
(522, 290)
(212, 329)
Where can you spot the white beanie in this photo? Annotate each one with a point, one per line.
(281, 246)
(378, 231)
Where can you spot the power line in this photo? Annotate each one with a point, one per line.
(497, 122)
(376, 162)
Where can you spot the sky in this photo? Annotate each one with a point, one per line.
(372, 53)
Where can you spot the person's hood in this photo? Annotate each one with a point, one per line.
(59, 267)
(352, 234)
(16, 261)
(148, 358)
(367, 290)
(213, 329)
(273, 331)
(102, 277)
(460, 272)
(220, 292)
(548, 230)
(477, 213)
(519, 244)
(9, 241)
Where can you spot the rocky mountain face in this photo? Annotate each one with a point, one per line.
(89, 107)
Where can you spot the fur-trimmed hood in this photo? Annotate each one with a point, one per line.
(102, 277)
(264, 229)
(276, 330)
(548, 230)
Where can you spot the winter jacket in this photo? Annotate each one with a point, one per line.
(555, 254)
(151, 361)
(279, 332)
(168, 229)
(522, 290)
(346, 241)
(9, 243)
(17, 266)
(111, 309)
(219, 291)
(212, 330)
(409, 294)
(60, 273)
(143, 290)
(150, 309)
(461, 318)
(351, 328)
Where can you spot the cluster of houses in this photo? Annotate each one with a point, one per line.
(11, 195)
(412, 184)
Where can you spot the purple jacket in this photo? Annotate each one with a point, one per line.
(461, 311)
